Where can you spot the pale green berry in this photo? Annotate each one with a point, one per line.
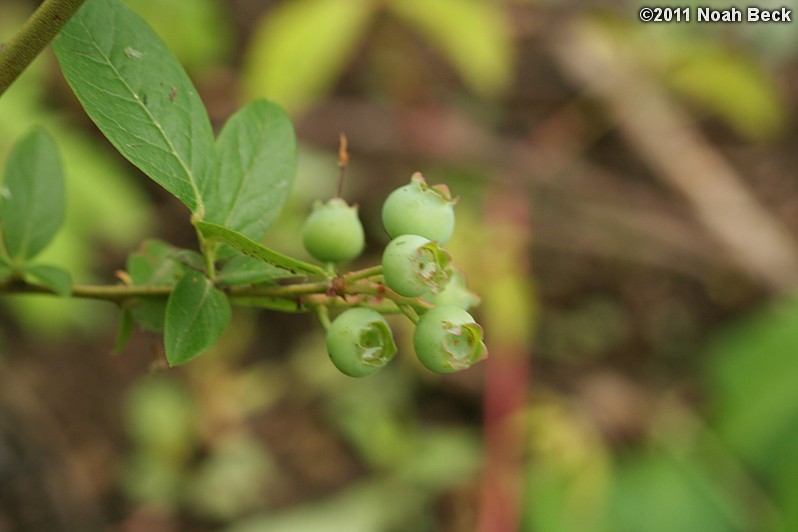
(418, 209)
(413, 265)
(359, 342)
(333, 232)
(447, 339)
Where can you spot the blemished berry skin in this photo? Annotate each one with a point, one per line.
(359, 342)
(447, 339)
(418, 209)
(333, 232)
(413, 265)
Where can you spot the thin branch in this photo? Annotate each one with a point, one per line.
(365, 273)
(356, 291)
(113, 293)
(45, 23)
(285, 291)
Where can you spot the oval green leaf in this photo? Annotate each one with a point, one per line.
(197, 314)
(256, 163)
(32, 196)
(139, 96)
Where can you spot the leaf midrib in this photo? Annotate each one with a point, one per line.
(231, 211)
(189, 174)
(196, 312)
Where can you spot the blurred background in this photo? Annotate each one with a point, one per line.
(628, 213)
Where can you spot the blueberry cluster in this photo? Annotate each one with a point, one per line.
(420, 220)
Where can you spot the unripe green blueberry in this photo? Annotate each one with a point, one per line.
(418, 209)
(447, 339)
(413, 265)
(359, 342)
(333, 232)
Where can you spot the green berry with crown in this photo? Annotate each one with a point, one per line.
(448, 339)
(420, 209)
(413, 265)
(360, 342)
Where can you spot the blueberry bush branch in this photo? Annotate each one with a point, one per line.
(22, 48)
(234, 186)
(294, 292)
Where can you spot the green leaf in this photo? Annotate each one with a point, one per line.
(139, 96)
(254, 249)
(155, 264)
(188, 259)
(661, 493)
(474, 35)
(243, 269)
(753, 375)
(301, 47)
(124, 332)
(256, 163)
(52, 277)
(32, 197)
(196, 315)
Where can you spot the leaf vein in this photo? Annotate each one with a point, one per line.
(155, 122)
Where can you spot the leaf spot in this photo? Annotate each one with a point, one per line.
(132, 53)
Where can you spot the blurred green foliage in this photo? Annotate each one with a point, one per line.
(300, 48)
(568, 473)
(732, 470)
(104, 206)
(474, 36)
(298, 51)
(658, 492)
(181, 460)
(203, 38)
(752, 381)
